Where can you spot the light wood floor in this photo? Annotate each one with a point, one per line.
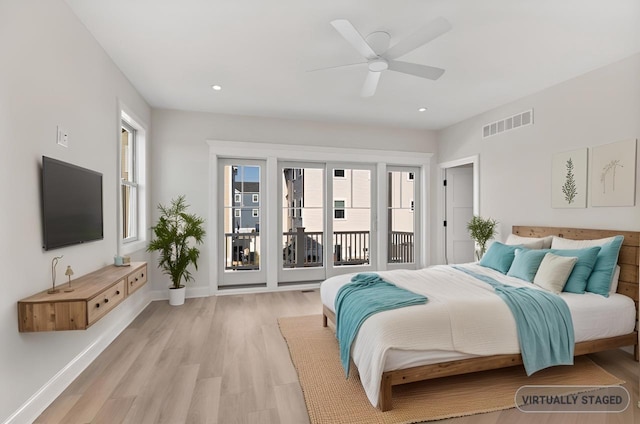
(223, 360)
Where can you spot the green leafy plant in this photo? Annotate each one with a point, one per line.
(482, 230)
(175, 233)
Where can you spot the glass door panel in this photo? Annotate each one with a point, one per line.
(401, 215)
(242, 244)
(351, 206)
(302, 222)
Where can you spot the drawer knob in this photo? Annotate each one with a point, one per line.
(142, 275)
(97, 305)
(136, 278)
(117, 292)
(106, 300)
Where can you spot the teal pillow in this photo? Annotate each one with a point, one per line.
(526, 263)
(499, 257)
(600, 280)
(577, 282)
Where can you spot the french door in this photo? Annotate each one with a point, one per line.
(351, 203)
(326, 220)
(402, 217)
(243, 248)
(302, 224)
(320, 219)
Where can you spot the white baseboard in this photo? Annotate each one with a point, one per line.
(40, 400)
(191, 292)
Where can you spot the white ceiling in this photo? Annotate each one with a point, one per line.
(260, 52)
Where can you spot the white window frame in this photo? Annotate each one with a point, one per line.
(270, 154)
(237, 198)
(131, 183)
(254, 213)
(133, 244)
(255, 198)
(237, 213)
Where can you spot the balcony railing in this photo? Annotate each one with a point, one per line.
(241, 251)
(349, 248)
(400, 248)
(307, 254)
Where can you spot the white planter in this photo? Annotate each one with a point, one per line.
(176, 296)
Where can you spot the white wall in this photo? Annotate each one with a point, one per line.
(600, 107)
(52, 72)
(180, 155)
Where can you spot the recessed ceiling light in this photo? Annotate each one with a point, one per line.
(216, 87)
(422, 109)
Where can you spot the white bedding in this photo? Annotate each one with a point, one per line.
(463, 318)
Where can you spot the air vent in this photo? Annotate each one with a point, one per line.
(511, 123)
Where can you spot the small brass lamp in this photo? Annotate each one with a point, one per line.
(69, 273)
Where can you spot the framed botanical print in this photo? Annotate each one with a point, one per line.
(569, 179)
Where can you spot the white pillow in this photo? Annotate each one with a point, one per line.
(529, 242)
(614, 280)
(563, 243)
(554, 271)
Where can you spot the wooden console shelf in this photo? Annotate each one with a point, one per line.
(94, 295)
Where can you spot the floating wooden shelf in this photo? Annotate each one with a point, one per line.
(93, 296)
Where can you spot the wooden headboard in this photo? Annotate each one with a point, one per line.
(629, 258)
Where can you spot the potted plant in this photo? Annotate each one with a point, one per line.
(175, 235)
(481, 230)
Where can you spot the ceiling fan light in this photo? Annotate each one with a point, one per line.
(378, 65)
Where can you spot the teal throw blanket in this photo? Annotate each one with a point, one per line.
(365, 295)
(543, 321)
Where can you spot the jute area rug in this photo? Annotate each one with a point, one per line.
(331, 398)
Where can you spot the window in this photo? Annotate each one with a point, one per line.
(410, 176)
(254, 213)
(128, 184)
(339, 173)
(293, 208)
(254, 198)
(411, 205)
(237, 213)
(237, 198)
(338, 209)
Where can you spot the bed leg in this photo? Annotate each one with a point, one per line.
(384, 398)
(324, 321)
(636, 352)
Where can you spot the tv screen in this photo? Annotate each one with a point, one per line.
(71, 204)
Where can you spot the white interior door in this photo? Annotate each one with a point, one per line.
(459, 211)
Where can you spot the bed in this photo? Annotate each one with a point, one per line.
(600, 323)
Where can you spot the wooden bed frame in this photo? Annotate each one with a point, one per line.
(628, 285)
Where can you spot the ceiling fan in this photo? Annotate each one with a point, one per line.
(375, 49)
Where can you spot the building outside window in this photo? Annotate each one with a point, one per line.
(339, 209)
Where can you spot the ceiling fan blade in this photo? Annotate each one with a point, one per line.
(370, 84)
(422, 71)
(337, 66)
(353, 37)
(419, 38)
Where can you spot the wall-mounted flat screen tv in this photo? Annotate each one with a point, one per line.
(71, 204)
